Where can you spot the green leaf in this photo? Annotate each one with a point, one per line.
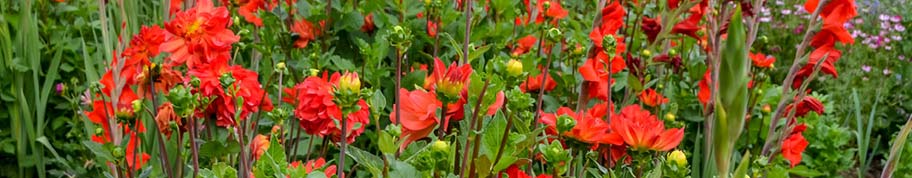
(100, 152)
(386, 143)
(731, 102)
(372, 163)
(804, 171)
(316, 174)
(272, 162)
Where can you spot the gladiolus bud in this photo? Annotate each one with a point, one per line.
(514, 67)
(677, 157)
(350, 82)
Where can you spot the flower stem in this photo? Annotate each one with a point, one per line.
(473, 126)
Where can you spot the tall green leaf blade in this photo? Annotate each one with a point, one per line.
(731, 106)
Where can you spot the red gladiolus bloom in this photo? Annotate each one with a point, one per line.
(368, 25)
(690, 26)
(762, 61)
(807, 104)
(827, 67)
(705, 91)
(651, 98)
(641, 130)
(130, 153)
(589, 128)
(314, 165)
(418, 115)
(258, 146)
(246, 86)
(835, 13)
(199, 36)
(555, 11)
(523, 45)
(794, 145)
(533, 83)
(432, 29)
(306, 32)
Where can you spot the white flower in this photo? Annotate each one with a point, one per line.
(899, 27)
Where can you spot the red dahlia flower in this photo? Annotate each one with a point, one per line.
(589, 128)
(762, 61)
(450, 80)
(651, 98)
(418, 115)
(514, 172)
(523, 45)
(199, 36)
(643, 131)
(164, 118)
(306, 32)
(533, 83)
(258, 146)
(368, 25)
(314, 105)
(314, 165)
(246, 86)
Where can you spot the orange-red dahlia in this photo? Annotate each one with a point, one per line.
(449, 81)
(651, 98)
(245, 85)
(199, 36)
(314, 106)
(164, 118)
(306, 32)
(533, 83)
(357, 118)
(643, 131)
(523, 45)
(514, 172)
(589, 128)
(762, 61)
(368, 25)
(258, 146)
(314, 165)
(418, 115)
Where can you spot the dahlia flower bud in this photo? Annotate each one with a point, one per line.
(565, 123)
(677, 157)
(646, 53)
(449, 88)
(350, 82)
(514, 68)
(440, 146)
(670, 116)
(280, 66)
(118, 152)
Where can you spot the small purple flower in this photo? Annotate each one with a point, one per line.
(896, 38)
(60, 88)
(902, 57)
(866, 68)
(780, 2)
(859, 21)
(896, 18)
(786, 12)
(883, 17)
(799, 29)
(899, 27)
(887, 72)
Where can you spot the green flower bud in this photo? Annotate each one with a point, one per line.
(646, 53)
(514, 68)
(226, 80)
(672, 52)
(118, 152)
(677, 157)
(565, 123)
